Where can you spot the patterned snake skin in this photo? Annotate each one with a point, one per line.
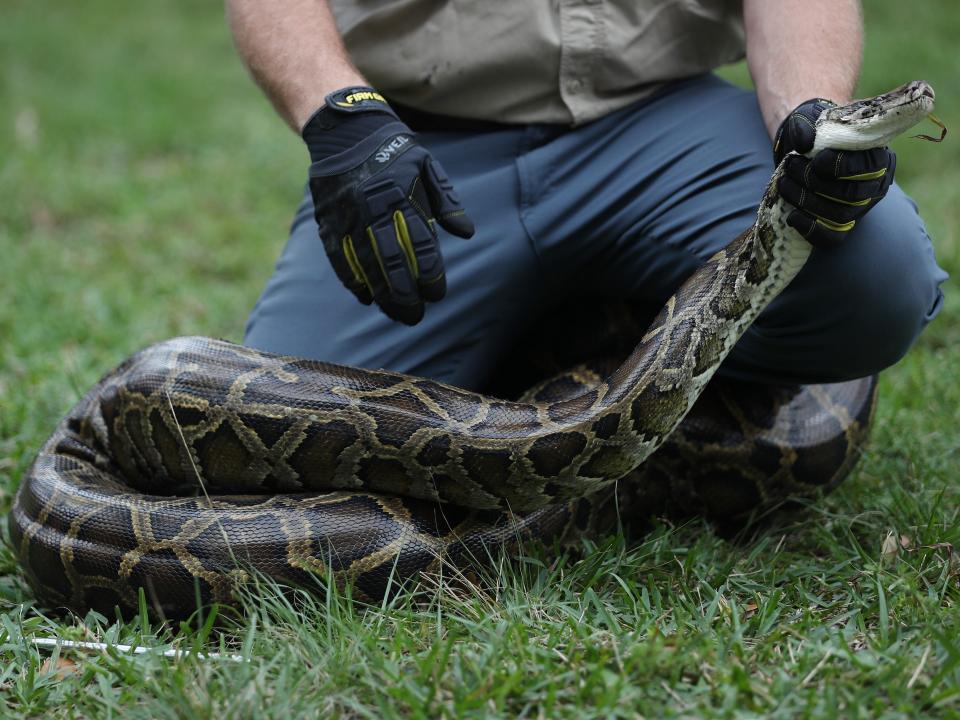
(198, 461)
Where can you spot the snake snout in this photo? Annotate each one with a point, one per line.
(919, 94)
(921, 89)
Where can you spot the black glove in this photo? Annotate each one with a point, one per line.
(377, 195)
(834, 188)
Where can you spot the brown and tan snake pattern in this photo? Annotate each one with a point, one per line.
(198, 461)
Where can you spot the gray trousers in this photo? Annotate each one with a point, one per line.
(627, 206)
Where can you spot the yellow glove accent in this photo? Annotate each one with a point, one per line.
(403, 238)
(872, 175)
(836, 227)
(354, 262)
(376, 251)
(855, 203)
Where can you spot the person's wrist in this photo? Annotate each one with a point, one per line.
(347, 116)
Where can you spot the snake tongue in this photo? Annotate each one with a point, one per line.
(939, 123)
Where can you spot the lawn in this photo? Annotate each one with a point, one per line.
(146, 188)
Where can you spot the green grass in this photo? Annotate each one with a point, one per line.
(146, 191)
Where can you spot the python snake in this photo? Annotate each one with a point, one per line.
(197, 461)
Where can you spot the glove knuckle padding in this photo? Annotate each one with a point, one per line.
(392, 263)
(444, 200)
(424, 247)
(381, 197)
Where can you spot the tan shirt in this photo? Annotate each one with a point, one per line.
(521, 61)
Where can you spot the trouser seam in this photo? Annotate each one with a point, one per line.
(526, 203)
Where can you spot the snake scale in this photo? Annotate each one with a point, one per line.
(197, 461)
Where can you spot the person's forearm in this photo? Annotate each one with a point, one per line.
(294, 51)
(801, 49)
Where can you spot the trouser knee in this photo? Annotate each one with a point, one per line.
(890, 282)
(889, 310)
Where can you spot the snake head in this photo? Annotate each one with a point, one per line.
(873, 122)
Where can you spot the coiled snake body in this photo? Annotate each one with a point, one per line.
(196, 460)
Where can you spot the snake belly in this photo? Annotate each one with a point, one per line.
(197, 462)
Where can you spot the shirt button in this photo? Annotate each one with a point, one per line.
(574, 84)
